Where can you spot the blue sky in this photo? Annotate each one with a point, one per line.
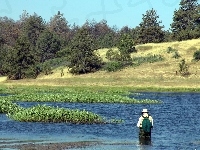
(116, 12)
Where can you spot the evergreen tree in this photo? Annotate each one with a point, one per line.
(23, 60)
(48, 44)
(102, 34)
(186, 19)
(7, 54)
(32, 28)
(59, 25)
(83, 59)
(126, 47)
(9, 30)
(150, 30)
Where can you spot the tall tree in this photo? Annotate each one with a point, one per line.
(186, 19)
(126, 47)
(83, 59)
(33, 27)
(7, 54)
(150, 30)
(102, 34)
(59, 25)
(23, 60)
(48, 44)
(9, 30)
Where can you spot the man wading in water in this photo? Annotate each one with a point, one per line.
(145, 124)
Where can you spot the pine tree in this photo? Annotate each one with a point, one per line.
(150, 30)
(186, 19)
(48, 44)
(59, 25)
(32, 28)
(83, 59)
(23, 60)
(126, 47)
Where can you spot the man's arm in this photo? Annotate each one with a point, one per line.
(139, 122)
(151, 119)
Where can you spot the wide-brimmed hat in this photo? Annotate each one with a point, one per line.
(144, 111)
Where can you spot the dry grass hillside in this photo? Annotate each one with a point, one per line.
(158, 74)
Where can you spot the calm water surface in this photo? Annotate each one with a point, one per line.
(176, 125)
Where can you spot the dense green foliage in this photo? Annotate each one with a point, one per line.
(112, 55)
(43, 113)
(83, 59)
(185, 23)
(126, 46)
(24, 61)
(150, 30)
(8, 107)
(48, 44)
(59, 26)
(85, 96)
(196, 55)
(113, 66)
(121, 58)
(184, 68)
(28, 45)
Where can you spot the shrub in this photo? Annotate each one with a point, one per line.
(112, 55)
(113, 66)
(176, 55)
(183, 68)
(196, 55)
(171, 50)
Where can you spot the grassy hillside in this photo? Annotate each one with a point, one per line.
(158, 74)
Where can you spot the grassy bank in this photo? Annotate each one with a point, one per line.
(157, 76)
(135, 85)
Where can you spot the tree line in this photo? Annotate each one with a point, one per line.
(31, 45)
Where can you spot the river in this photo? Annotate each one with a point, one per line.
(176, 125)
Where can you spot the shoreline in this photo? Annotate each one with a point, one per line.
(47, 146)
(43, 145)
(134, 88)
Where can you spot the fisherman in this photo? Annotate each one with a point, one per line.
(145, 124)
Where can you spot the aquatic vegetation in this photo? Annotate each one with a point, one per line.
(116, 121)
(43, 113)
(84, 96)
(8, 107)
(79, 97)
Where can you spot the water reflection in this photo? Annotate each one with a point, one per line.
(167, 134)
(145, 140)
